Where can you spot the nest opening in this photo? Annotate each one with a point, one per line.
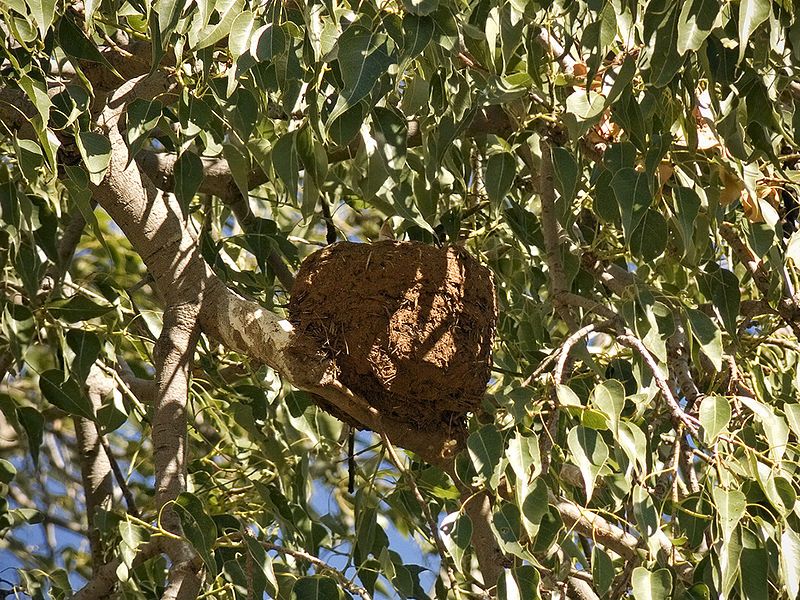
(409, 326)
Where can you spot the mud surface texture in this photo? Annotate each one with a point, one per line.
(410, 326)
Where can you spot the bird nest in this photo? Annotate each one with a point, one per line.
(409, 326)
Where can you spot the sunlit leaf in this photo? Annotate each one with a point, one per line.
(715, 414)
(590, 454)
(651, 585)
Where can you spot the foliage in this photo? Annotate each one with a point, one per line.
(629, 172)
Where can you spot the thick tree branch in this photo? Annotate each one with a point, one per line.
(678, 363)
(595, 527)
(552, 233)
(614, 277)
(478, 507)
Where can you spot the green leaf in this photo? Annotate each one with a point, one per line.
(131, 537)
(695, 23)
(96, 152)
(391, 132)
(729, 553)
(775, 427)
(715, 414)
(535, 506)
(779, 490)
(753, 563)
(609, 397)
(651, 585)
(793, 417)
(485, 448)
(567, 396)
(7, 471)
(86, 348)
(110, 415)
(313, 156)
(417, 34)
(268, 42)
(239, 163)
(634, 443)
(751, 14)
(523, 453)
(566, 174)
(583, 111)
(722, 287)
(286, 163)
(790, 560)
(707, 334)
(75, 43)
(632, 190)
(457, 537)
(43, 12)
(687, 206)
(507, 523)
(518, 583)
(602, 570)
(344, 128)
(198, 528)
(142, 117)
(77, 308)
(65, 394)
(317, 587)
(263, 562)
(188, 177)
(590, 453)
(37, 93)
(501, 169)
(665, 59)
(241, 34)
(647, 518)
(363, 58)
(169, 13)
(731, 505)
(649, 239)
(32, 422)
(228, 10)
(421, 7)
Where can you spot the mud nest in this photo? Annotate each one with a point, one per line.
(409, 325)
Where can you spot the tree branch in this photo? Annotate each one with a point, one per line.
(320, 565)
(677, 412)
(105, 577)
(94, 464)
(552, 233)
(787, 306)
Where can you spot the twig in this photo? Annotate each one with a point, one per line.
(104, 578)
(589, 305)
(426, 511)
(563, 353)
(787, 306)
(318, 563)
(123, 485)
(327, 218)
(691, 423)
